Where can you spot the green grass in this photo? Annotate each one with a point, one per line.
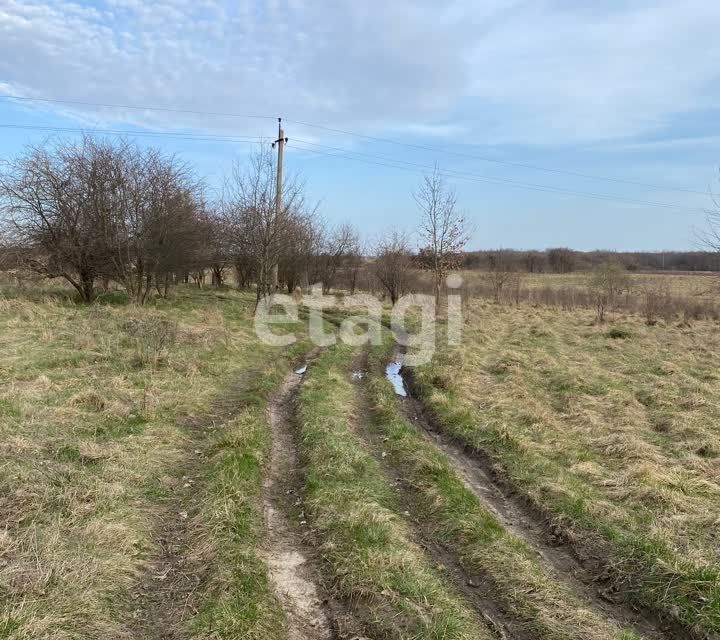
(365, 543)
(93, 400)
(541, 605)
(603, 435)
(239, 601)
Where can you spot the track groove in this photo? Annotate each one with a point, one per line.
(477, 473)
(166, 594)
(290, 563)
(476, 589)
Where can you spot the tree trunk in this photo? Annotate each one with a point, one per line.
(87, 286)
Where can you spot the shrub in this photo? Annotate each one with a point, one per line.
(619, 333)
(153, 336)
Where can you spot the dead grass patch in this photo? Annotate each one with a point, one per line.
(626, 428)
(90, 446)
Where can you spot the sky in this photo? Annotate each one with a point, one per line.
(586, 124)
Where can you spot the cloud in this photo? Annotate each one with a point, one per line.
(597, 73)
(691, 143)
(509, 72)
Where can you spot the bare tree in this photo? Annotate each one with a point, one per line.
(561, 260)
(52, 197)
(392, 264)
(710, 238)
(534, 261)
(335, 248)
(608, 282)
(299, 251)
(100, 209)
(655, 299)
(245, 268)
(501, 276)
(217, 252)
(443, 229)
(14, 261)
(354, 264)
(255, 231)
(151, 227)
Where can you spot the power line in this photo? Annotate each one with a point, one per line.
(136, 107)
(495, 160)
(432, 149)
(421, 169)
(152, 134)
(371, 159)
(494, 179)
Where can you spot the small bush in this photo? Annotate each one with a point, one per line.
(619, 333)
(154, 338)
(90, 400)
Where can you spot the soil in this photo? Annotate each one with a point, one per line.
(166, 593)
(292, 570)
(482, 478)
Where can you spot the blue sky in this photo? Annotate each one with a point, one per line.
(625, 90)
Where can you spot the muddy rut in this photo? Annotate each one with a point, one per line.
(292, 569)
(518, 517)
(166, 593)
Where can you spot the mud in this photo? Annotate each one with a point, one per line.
(166, 592)
(293, 571)
(514, 513)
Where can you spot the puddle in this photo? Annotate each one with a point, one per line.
(301, 370)
(392, 373)
(358, 375)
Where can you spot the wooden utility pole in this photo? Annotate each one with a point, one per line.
(280, 142)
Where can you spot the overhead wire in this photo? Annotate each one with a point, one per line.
(349, 154)
(429, 148)
(422, 169)
(510, 163)
(129, 133)
(109, 105)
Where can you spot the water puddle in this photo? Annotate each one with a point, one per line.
(392, 373)
(358, 375)
(301, 370)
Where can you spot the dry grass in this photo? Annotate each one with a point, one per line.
(700, 284)
(92, 444)
(615, 430)
(531, 592)
(667, 296)
(365, 542)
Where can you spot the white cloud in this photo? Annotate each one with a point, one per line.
(690, 143)
(537, 72)
(585, 74)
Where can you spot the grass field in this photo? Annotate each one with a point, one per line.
(686, 284)
(163, 474)
(126, 431)
(365, 541)
(611, 431)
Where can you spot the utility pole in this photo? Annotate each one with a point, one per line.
(280, 142)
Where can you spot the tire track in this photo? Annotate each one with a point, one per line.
(294, 576)
(295, 568)
(477, 590)
(478, 475)
(167, 591)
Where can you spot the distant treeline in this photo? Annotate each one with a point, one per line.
(564, 260)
